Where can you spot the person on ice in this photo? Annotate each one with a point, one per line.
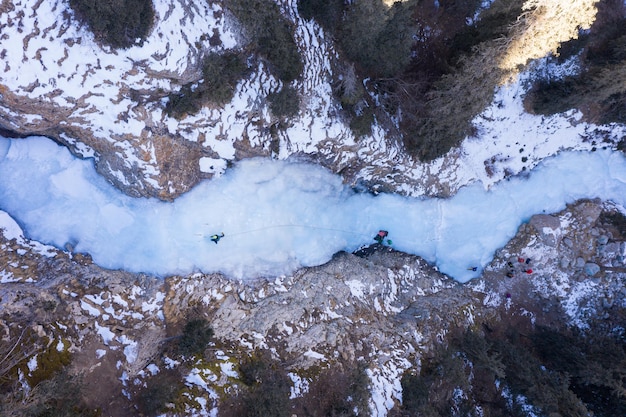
(380, 237)
(216, 238)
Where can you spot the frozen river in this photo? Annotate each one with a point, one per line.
(277, 216)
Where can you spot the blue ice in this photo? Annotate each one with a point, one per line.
(278, 216)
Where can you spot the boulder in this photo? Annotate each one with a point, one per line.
(591, 269)
(546, 226)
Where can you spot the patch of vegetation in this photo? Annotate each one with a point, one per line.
(598, 90)
(54, 391)
(361, 122)
(284, 103)
(196, 336)
(16, 350)
(270, 34)
(220, 75)
(594, 366)
(336, 391)
(378, 40)
(265, 391)
(118, 23)
(558, 373)
(446, 84)
(16, 347)
(59, 396)
(417, 57)
(161, 390)
(49, 362)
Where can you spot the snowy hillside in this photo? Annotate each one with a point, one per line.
(108, 104)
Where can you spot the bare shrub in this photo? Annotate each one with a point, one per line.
(59, 396)
(15, 349)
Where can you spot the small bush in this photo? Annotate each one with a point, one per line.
(196, 336)
(220, 75)
(284, 103)
(361, 123)
(183, 102)
(336, 391)
(118, 23)
(348, 87)
(161, 390)
(550, 97)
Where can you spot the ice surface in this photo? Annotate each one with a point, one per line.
(280, 215)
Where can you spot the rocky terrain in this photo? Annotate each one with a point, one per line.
(382, 309)
(117, 336)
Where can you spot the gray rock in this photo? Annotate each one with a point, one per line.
(545, 225)
(613, 249)
(580, 262)
(603, 240)
(541, 221)
(591, 269)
